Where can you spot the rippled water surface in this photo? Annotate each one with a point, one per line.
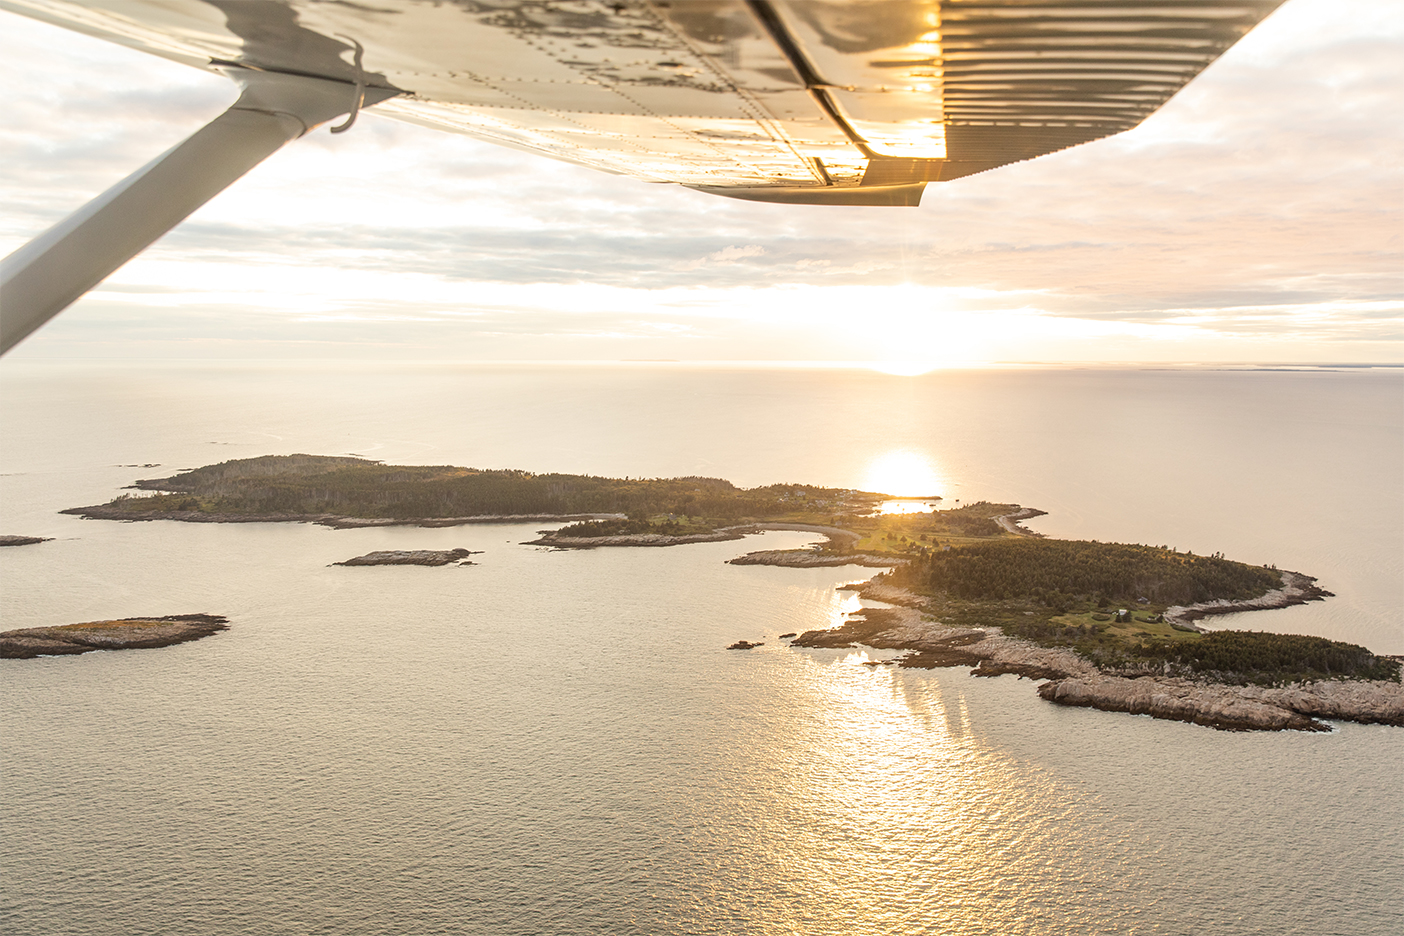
(556, 742)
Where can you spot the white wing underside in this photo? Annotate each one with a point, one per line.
(785, 100)
(838, 102)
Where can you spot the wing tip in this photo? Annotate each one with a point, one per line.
(872, 196)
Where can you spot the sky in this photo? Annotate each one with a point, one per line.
(1256, 218)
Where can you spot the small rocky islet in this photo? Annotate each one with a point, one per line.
(10, 539)
(416, 557)
(140, 633)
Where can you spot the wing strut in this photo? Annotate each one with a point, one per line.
(43, 277)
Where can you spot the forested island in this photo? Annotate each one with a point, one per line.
(1109, 625)
(357, 491)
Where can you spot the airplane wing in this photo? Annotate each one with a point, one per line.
(838, 102)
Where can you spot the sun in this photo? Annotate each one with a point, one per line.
(903, 473)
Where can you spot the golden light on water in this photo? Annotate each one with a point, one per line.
(896, 777)
(903, 473)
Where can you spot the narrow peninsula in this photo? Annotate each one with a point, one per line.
(1104, 625)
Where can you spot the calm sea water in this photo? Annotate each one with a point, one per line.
(557, 742)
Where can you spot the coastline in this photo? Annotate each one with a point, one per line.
(719, 535)
(1074, 681)
(810, 559)
(335, 521)
(1009, 522)
(1297, 589)
(1070, 679)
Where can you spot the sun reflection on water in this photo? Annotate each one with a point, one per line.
(883, 805)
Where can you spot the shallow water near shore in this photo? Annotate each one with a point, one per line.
(559, 742)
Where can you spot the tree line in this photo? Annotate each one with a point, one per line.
(1064, 571)
(307, 484)
(1250, 656)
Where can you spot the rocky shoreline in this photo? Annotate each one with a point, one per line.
(125, 634)
(417, 557)
(719, 535)
(549, 538)
(1242, 708)
(811, 559)
(1296, 589)
(1074, 681)
(1010, 522)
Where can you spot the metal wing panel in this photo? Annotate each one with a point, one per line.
(589, 64)
(745, 94)
(1022, 78)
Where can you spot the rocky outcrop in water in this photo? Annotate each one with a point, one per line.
(418, 557)
(125, 634)
(12, 540)
(1239, 708)
(933, 644)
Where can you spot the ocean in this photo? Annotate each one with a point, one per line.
(558, 742)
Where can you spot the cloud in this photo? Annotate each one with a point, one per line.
(727, 255)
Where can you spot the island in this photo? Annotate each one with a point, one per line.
(125, 634)
(1112, 626)
(1108, 626)
(419, 557)
(343, 492)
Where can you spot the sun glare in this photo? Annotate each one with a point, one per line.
(905, 368)
(903, 473)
